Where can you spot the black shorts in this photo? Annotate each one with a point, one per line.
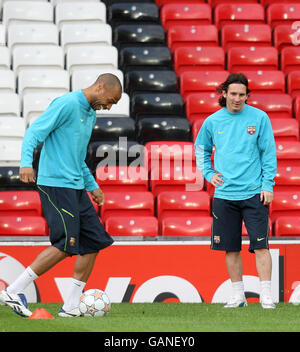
(228, 216)
(74, 224)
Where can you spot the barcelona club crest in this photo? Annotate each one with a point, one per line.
(251, 129)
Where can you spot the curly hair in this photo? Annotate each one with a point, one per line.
(232, 78)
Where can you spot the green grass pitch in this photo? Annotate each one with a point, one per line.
(161, 317)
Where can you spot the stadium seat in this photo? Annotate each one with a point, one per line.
(121, 109)
(266, 3)
(11, 127)
(37, 56)
(146, 226)
(196, 128)
(238, 13)
(9, 179)
(127, 204)
(290, 59)
(18, 225)
(275, 105)
(285, 204)
(122, 178)
(201, 105)
(287, 178)
(81, 13)
(10, 104)
(283, 36)
(192, 36)
(44, 80)
(183, 204)
(287, 226)
(293, 83)
(185, 13)
(5, 58)
(83, 78)
(85, 34)
(27, 12)
(199, 58)
(7, 81)
(245, 35)
(164, 2)
(32, 34)
(20, 203)
(285, 129)
(160, 128)
(150, 81)
(266, 81)
(10, 151)
(2, 34)
(282, 13)
(126, 12)
(176, 177)
(141, 57)
(288, 153)
(252, 58)
(200, 81)
(91, 57)
(111, 128)
(186, 226)
(138, 34)
(145, 104)
(213, 3)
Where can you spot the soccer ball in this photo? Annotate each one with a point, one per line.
(94, 303)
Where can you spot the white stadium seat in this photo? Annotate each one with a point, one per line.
(5, 60)
(37, 56)
(12, 127)
(100, 57)
(73, 12)
(121, 109)
(2, 33)
(85, 34)
(55, 2)
(31, 34)
(84, 78)
(10, 104)
(7, 81)
(43, 80)
(10, 151)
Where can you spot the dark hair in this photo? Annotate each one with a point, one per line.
(232, 78)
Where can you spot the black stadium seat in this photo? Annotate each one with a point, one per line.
(145, 104)
(9, 179)
(111, 128)
(163, 128)
(140, 57)
(150, 80)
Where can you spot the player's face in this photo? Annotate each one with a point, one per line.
(236, 97)
(105, 99)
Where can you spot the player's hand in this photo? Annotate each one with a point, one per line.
(266, 197)
(26, 175)
(98, 196)
(216, 180)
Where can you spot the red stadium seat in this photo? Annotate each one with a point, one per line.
(176, 178)
(293, 83)
(201, 105)
(127, 204)
(186, 226)
(287, 178)
(122, 178)
(216, 2)
(183, 204)
(266, 81)
(200, 81)
(163, 2)
(132, 226)
(253, 58)
(18, 225)
(196, 128)
(288, 153)
(239, 14)
(20, 203)
(283, 35)
(285, 129)
(290, 59)
(275, 105)
(185, 13)
(282, 13)
(266, 3)
(199, 58)
(285, 203)
(287, 226)
(246, 35)
(192, 35)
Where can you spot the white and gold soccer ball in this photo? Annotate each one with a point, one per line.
(94, 303)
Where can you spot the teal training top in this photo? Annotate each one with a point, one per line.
(245, 152)
(65, 127)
